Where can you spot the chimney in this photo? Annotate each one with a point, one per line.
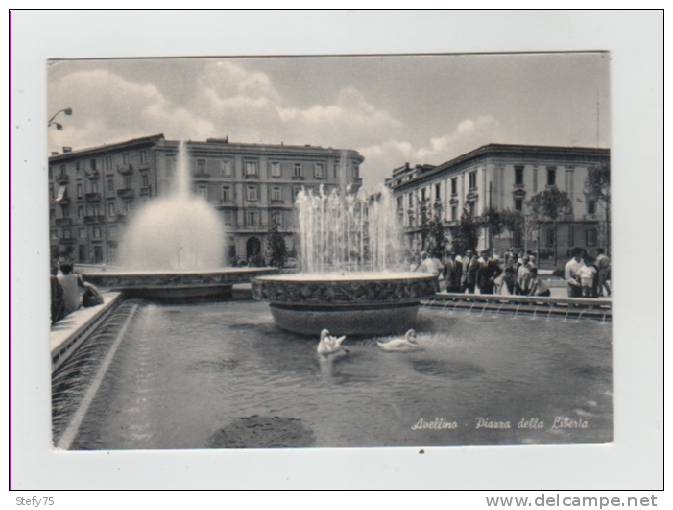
(67, 150)
(406, 165)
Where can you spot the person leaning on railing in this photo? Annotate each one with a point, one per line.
(572, 269)
(537, 285)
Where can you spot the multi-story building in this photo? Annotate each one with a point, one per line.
(95, 192)
(506, 177)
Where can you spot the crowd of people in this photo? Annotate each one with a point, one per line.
(513, 273)
(69, 291)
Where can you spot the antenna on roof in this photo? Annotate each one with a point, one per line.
(598, 117)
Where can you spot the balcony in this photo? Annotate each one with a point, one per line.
(63, 222)
(145, 191)
(126, 193)
(297, 177)
(121, 218)
(92, 174)
(62, 179)
(92, 219)
(94, 196)
(67, 241)
(201, 174)
(125, 169)
(63, 201)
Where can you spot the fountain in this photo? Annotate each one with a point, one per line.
(349, 260)
(174, 248)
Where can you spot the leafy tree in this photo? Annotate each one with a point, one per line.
(597, 187)
(549, 206)
(277, 247)
(435, 231)
(466, 235)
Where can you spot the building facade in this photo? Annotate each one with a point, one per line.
(94, 192)
(506, 177)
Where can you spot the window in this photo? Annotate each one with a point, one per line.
(80, 212)
(65, 211)
(549, 237)
(518, 175)
(454, 186)
(225, 168)
(78, 168)
(472, 176)
(354, 171)
(202, 191)
(127, 181)
(112, 230)
(226, 193)
(143, 156)
(277, 219)
(295, 192)
(125, 158)
(275, 169)
(200, 166)
(251, 168)
(297, 170)
(551, 176)
(276, 195)
(111, 209)
(95, 210)
(411, 200)
(107, 162)
(518, 204)
(591, 206)
(82, 233)
(62, 170)
(399, 202)
(94, 186)
(51, 191)
(592, 237)
(454, 213)
(252, 193)
(251, 218)
(319, 171)
(146, 180)
(97, 233)
(110, 184)
(92, 164)
(471, 207)
(423, 197)
(66, 233)
(438, 189)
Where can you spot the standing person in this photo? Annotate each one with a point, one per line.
(472, 269)
(449, 267)
(604, 269)
(537, 285)
(523, 277)
(587, 278)
(487, 275)
(571, 276)
(466, 266)
(458, 274)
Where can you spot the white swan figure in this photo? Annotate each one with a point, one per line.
(330, 344)
(406, 344)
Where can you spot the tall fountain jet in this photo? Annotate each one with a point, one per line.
(181, 232)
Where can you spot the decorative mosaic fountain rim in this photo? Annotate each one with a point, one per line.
(297, 290)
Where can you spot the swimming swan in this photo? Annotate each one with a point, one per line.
(406, 344)
(330, 344)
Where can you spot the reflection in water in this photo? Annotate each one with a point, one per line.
(221, 375)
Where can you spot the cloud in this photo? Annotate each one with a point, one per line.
(468, 134)
(229, 99)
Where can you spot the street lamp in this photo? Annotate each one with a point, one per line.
(52, 122)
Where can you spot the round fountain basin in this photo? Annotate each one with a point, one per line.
(184, 285)
(345, 303)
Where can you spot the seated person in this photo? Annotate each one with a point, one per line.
(73, 288)
(537, 285)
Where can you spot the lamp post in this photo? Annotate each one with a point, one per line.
(52, 122)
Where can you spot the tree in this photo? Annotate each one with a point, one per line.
(493, 219)
(550, 205)
(466, 235)
(433, 238)
(597, 187)
(277, 247)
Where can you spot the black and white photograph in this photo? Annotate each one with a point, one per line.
(330, 251)
(335, 249)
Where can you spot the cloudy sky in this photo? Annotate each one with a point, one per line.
(391, 109)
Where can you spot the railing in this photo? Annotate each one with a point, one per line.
(94, 218)
(92, 197)
(63, 222)
(145, 191)
(62, 179)
(125, 169)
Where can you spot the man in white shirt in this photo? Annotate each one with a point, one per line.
(572, 279)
